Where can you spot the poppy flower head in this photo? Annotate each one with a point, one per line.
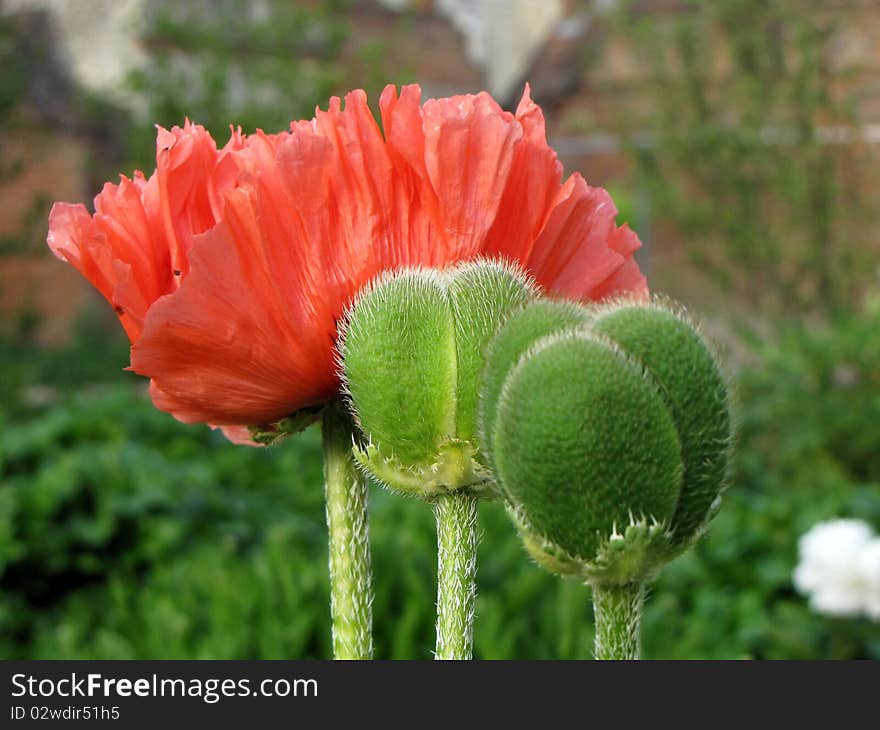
(233, 266)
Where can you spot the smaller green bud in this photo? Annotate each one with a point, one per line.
(412, 353)
(608, 436)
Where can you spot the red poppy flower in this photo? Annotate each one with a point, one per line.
(231, 267)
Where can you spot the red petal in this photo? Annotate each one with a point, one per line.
(115, 250)
(573, 256)
(627, 279)
(69, 229)
(360, 194)
(415, 211)
(534, 180)
(226, 347)
(236, 434)
(469, 146)
(185, 162)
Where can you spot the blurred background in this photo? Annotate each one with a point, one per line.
(740, 138)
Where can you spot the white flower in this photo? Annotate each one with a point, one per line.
(839, 568)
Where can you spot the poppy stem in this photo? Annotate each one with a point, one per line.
(351, 592)
(618, 614)
(456, 514)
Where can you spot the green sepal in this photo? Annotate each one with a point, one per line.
(544, 551)
(454, 469)
(634, 552)
(269, 434)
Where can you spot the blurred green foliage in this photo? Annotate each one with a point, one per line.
(126, 534)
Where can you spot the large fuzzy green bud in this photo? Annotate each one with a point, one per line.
(412, 354)
(607, 430)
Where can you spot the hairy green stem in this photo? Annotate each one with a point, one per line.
(456, 515)
(618, 614)
(351, 592)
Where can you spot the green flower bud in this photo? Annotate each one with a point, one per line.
(412, 354)
(608, 438)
